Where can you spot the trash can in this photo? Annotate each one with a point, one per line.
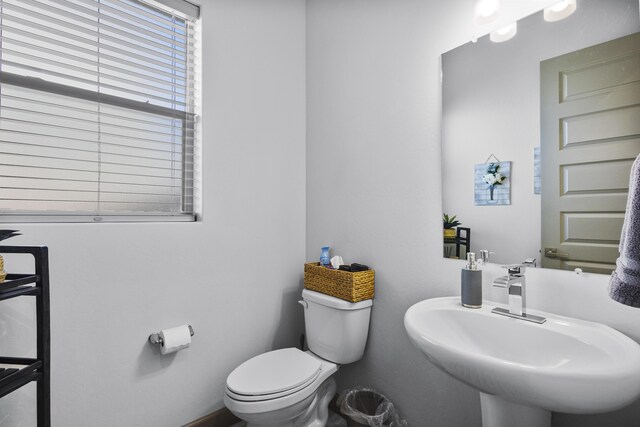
(366, 407)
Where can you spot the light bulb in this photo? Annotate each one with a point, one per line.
(505, 33)
(559, 7)
(559, 10)
(486, 11)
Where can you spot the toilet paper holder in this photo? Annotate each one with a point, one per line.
(155, 338)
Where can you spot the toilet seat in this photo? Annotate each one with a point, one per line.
(266, 404)
(272, 375)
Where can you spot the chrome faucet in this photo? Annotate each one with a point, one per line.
(515, 282)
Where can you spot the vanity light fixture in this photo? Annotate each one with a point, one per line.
(486, 11)
(504, 33)
(559, 10)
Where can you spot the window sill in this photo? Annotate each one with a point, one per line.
(16, 218)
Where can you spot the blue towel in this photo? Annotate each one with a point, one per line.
(624, 286)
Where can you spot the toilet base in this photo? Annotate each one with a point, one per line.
(318, 413)
(310, 412)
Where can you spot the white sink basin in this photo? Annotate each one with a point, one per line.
(564, 365)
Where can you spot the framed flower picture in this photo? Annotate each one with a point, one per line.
(492, 184)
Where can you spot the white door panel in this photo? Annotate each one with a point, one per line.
(590, 130)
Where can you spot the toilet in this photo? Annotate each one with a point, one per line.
(291, 387)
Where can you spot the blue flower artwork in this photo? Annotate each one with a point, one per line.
(492, 184)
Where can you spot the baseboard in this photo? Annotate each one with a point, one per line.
(220, 418)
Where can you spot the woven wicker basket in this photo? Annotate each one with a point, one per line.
(341, 284)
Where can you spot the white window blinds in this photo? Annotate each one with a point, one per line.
(97, 110)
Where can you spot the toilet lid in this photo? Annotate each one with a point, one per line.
(274, 372)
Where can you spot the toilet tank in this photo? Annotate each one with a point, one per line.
(336, 329)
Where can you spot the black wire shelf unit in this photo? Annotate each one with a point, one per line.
(460, 239)
(15, 372)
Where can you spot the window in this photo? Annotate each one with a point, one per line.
(97, 110)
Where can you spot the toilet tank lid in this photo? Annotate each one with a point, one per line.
(334, 302)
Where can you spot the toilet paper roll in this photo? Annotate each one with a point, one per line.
(175, 339)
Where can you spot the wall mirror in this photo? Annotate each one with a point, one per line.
(500, 108)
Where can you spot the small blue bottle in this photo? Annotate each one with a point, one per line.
(325, 259)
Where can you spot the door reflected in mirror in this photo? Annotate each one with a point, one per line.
(543, 89)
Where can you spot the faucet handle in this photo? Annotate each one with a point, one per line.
(515, 268)
(501, 282)
(485, 254)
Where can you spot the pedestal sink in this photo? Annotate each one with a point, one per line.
(525, 370)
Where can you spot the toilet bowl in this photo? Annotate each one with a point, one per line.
(291, 387)
(257, 392)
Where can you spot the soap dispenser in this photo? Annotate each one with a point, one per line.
(471, 283)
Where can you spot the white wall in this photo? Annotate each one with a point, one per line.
(373, 180)
(491, 101)
(235, 276)
(374, 194)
